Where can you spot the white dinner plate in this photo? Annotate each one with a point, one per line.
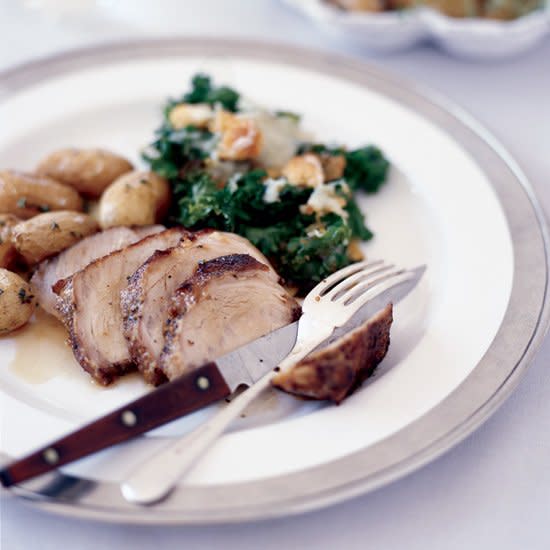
(455, 201)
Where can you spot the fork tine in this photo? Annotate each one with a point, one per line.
(372, 293)
(352, 281)
(335, 278)
(362, 287)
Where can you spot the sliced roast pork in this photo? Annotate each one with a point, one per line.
(146, 300)
(74, 259)
(146, 230)
(228, 302)
(335, 371)
(90, 306)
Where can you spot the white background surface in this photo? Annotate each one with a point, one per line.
(493, 490)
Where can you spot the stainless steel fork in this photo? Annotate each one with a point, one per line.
(331, 304)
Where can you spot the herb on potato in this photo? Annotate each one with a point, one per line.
(24, 298)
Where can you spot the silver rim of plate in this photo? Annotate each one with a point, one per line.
(467, 407)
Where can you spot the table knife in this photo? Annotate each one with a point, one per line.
(188, 393)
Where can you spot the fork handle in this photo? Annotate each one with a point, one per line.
(155, 478)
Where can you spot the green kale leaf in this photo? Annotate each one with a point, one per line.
(319, 149)
(280, 230)
(272, 240)
(356, 221)
(304, 248)
(202, 91)
(249, 207)
(200, 202)
(366, 169)
(309, 259)
(173, 149)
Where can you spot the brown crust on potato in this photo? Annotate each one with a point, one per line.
(26, 195)
(89, 171)
(136, 198)
(8, 253)
(50, 233)
(17, 302)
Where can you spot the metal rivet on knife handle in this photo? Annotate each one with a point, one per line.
(129, 418)
(51, 456)
(203, 383)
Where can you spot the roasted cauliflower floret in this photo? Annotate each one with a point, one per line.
(304, 170)
(186, 114)
(241, 138)
(333, 166)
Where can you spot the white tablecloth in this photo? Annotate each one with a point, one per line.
(492, 490)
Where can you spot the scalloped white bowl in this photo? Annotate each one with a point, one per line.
(392, 31)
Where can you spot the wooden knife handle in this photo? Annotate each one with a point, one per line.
(173, 400)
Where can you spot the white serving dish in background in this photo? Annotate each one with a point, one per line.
(393, 31)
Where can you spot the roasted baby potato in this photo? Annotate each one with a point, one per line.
(17, 302)
(50, 233)
(137, 198)
(25, 195)
(7, 250)
(89, 171)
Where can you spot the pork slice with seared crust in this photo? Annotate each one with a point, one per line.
(146, 300)
(228, 302)
(75, 258)
(90, 306)
(335, 371)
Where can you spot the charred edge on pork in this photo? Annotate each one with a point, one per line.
(67, 309)
(146, 299)
(194, 292)
(91, 356)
